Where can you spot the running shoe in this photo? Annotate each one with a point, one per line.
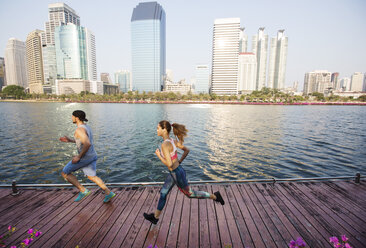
(82, 195)
(107, 198)
(219, 198)
(151, 218)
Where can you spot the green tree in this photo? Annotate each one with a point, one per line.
(362, 98)
(14, 91)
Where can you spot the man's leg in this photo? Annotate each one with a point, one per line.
(73, 180)
(100, 183)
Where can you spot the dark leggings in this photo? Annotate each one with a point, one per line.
(178, 177)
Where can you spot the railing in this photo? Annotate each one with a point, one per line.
(15, 186)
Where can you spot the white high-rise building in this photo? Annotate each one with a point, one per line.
(91, 55)
(345, 84)
(260, 48)
(58, 14)
(202, 80)
(317, 81)
(277, 61)
(243, 41)
(247, 73)
(225, 56)
(34, 62)
(364, 83)
(15, 63)
(357, 81)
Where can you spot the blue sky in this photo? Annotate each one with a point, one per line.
(326, 34)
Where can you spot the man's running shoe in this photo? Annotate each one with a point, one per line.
(82, 195)
(107, 198)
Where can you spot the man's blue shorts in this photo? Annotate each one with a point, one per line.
(88, 165)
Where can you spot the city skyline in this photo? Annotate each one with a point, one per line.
(328, 45)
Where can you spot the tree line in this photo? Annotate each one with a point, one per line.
(266, 95)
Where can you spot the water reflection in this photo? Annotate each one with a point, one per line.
(226, 141)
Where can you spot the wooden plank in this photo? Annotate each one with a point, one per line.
(353, 205)
(111, 234)
(169, 213)
(295, 217)
(204, 234)
(262, 229)
(343, 209)
(4, 192)
(77, 219)
(221, 221)
(164, 219)
(183, 236)
(94, 237)
(320, 233)
(12, 202)
(251, 225)
(212, 222)
(350, 191)
(194, 223)
(233, 228)
(271, 227)
(62, 218)
(240, 222)
(32, 219)
(136, 226)
(339, 227)
(145, 228)
(123, 231)
(93, 224)
(294, 234)
(175, 221)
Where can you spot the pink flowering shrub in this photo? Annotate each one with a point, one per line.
(343, 243)
(33, 234)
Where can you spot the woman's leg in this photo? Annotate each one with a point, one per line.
(182, 183)
(164, 191)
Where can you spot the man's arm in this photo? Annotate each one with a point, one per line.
(67, 139)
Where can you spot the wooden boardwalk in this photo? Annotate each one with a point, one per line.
(255, 215)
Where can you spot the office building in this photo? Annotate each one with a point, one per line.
(225, 56)
(202, 79)
(15, 63)
(247, 74)
(277, 61)
(148, 47)
(260, 49)
(34, 62)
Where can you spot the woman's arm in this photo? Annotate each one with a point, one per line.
(185, 151)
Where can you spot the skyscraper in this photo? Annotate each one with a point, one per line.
(34, 62)
(335, 81)
(15, 63)
(346, 84)
(70, 49)
(317, 81)
(202, 84)
(123, 79)
(277, 61)
(260, 48)
(148, 43)
(91, 55)
(243, 41)
(58, 14)
(225, 56)
(357, 81)
(2, 73)
(247, 74)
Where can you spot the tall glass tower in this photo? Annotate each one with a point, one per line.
(148, 47)
(71, 54)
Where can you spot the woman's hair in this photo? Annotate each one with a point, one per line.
(179, 130)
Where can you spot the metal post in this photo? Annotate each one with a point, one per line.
(15, 190)
(357, 179)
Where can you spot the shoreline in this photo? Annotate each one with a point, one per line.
(193, 102)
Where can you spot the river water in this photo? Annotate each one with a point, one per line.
(226, 141)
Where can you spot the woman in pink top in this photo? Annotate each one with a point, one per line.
(177, 175)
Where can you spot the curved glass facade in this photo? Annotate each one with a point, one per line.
(71, 52)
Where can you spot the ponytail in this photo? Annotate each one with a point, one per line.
(179, 131)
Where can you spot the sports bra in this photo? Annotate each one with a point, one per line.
(174, 153)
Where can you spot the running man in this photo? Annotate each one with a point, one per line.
(86, 160)
(177, 175)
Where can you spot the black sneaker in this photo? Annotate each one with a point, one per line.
(219, 198)
(151, 218)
